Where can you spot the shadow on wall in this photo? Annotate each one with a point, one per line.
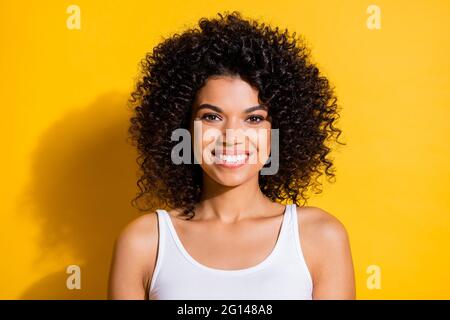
(82, 180)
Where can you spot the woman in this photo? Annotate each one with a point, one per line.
(226, 234)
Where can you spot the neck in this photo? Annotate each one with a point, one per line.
(231, 204)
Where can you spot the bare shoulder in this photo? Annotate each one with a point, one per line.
(321, 224)
(139, 229)
(324, 239)
(135, 250)
(139, 233)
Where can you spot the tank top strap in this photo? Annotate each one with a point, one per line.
(162, 238)
(296, 231)
(286, 230)
(292, 214)
(294, 225)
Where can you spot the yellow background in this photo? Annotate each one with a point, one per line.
(68, 174)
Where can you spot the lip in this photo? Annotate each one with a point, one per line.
(224, 164)
(230, 152)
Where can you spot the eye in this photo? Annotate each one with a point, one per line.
(209, 117)
(256, 119)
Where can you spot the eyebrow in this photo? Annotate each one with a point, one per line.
(217, 109)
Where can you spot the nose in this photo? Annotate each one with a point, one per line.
(233, 132)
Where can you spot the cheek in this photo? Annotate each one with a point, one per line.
(264, 142)
(268, 140)
(202, 138)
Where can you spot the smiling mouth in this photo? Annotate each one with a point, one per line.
(231, 157)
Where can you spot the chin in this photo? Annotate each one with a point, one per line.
(231, 177)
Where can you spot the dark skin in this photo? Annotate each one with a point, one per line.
(239, 221)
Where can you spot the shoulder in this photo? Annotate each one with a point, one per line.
(137, 244)
(138, 231)
(321, 224)
(324, 239)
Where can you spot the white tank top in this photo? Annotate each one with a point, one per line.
(283, 274)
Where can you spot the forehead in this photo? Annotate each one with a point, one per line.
(227, 92)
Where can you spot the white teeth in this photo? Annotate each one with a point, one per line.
(231, 158)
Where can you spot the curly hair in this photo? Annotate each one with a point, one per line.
(301, 103)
